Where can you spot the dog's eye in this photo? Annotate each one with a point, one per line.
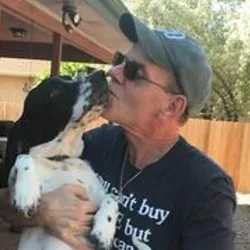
(54, 93)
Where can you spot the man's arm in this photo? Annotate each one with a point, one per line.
(66, 213)
(209, 224)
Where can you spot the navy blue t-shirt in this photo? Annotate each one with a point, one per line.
(184, 201)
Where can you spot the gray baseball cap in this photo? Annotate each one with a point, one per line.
(178, 53)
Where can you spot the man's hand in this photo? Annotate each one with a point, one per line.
(68, 214)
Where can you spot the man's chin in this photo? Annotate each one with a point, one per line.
(106, 113)
(109, 113)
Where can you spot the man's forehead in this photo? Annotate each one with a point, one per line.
(137, 53)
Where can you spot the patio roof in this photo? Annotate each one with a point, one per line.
(94, 40)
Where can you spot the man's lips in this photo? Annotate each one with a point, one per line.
(112, 93)
(111, 78)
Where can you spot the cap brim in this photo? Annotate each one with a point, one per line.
(139, 33)
(127, 26)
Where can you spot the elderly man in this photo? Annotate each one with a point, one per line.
(172, 196)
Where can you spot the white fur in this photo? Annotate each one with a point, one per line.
(85, 90)
(35, 175)
(106, 214)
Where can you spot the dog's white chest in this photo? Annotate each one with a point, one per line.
(31, 176)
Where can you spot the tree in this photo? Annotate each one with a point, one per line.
(223, 27)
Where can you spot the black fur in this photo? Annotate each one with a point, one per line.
(47, 110)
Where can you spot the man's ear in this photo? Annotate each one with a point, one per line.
(176, 105)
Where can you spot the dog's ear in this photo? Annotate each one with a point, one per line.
(47, 110)
(52, 93)
(51, 104)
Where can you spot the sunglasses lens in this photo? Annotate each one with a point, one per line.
(130, 67)
(131, 70)
(118, 59)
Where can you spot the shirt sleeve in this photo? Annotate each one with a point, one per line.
(209, 223)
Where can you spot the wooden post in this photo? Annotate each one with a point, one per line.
(56, 54)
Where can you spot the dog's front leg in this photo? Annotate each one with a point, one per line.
(104, 225)
(25, 184)
(26, 179)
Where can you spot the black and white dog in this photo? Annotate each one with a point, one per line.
(51, 164)
(44, 149)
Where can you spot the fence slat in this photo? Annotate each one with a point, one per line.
(244, 164)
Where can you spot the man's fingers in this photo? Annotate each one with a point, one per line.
(85, 231)
(86, 205)
(87, 220)
(78, 191)
(79, 229)
(89, 207)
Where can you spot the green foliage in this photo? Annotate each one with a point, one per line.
(223, 27)
(71, 69)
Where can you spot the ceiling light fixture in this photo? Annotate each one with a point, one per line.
(18, 32)
(70, 15)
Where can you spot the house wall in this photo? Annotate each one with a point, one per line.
(11, 88)
(12, 96)
(14, 74)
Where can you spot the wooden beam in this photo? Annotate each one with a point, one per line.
(57, 54)
(39, 17)
(43, 51)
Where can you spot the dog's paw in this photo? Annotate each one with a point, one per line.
(25, 186)
(105, 220)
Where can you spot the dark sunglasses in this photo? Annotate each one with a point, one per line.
(132, 69)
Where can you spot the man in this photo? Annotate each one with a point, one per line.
(172, 196)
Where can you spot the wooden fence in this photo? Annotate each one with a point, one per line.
(227, 143)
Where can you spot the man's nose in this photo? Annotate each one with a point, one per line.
(117, 72)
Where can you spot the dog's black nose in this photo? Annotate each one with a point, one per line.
(93, 239)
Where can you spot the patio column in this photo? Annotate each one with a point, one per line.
(56, 54)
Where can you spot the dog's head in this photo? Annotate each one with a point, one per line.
(50, 106)
(92, 98)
